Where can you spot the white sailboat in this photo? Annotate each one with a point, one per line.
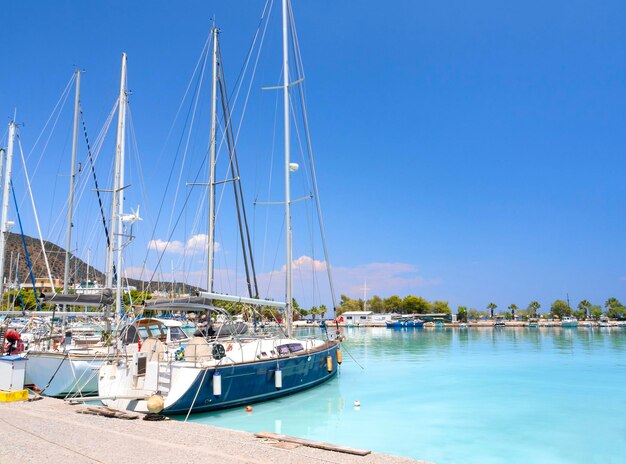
(216, 371)
(70, 368)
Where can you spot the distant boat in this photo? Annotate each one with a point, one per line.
(569, 321)
(499, 322)
(533, 322)
(405, 322)
(604, 322)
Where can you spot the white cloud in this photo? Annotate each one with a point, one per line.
(383, 279)
(196, 244)
(306, 263)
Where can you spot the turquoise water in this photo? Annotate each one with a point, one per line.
(508, 395)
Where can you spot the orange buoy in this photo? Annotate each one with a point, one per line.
(339, 356)
(248, 408)
(329, 363)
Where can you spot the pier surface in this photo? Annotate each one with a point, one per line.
(52, 432)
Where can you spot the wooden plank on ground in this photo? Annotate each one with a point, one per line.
(108, 412)
(313, 444)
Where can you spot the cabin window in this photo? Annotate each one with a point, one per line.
(289, 348)
(176, 333)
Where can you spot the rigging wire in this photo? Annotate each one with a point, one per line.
(63, 97)
(313, 172)
(32, 199)
(95, 180)
(27, 255)
(202, 59)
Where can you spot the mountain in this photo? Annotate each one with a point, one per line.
(56, 259)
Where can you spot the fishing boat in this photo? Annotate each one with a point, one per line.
(499, 322)
(533, 322)
(219, 370)
(569, 322)
(604, 322)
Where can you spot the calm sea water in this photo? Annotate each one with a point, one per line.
(521, 395)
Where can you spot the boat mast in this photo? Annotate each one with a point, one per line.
(118, 196)
(365, 295)
(288, 276)
(213, 141)
(70, 208)
(4, 223)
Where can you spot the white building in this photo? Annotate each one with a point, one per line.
(363, 317)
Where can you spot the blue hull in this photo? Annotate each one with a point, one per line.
(251, 383)
(399, 325)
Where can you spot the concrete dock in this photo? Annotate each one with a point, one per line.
(52, 432)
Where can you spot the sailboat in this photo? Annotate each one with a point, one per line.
(215, 371)
(70, 367)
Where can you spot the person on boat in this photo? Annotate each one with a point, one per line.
(205, 329)
(14, 344)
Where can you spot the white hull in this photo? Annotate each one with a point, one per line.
(62, 374)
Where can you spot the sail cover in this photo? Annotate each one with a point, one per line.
(105, 297)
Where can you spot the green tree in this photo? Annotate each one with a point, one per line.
(473, 314)
(560, 309)
(533, 308)
(595, 311)
(491, 307)
(584, 306)
(318, 311)
(376, 304)
(441, 307)
(513, 308)
(612, 303)
(393, 304)
(322, 310)
(615, 309)
(348, 304)
(461, 314)
(415, 304)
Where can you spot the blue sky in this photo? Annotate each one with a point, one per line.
(466, 151)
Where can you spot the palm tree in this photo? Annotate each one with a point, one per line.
(585, 306)
(513, 308)
(534, 307)
(491, 307)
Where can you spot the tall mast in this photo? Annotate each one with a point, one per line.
(212, 166)
(70, 208)
(289, 297)
(365, 295)
(118, 195)
(4, 225)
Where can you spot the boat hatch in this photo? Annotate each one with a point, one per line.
(290, 348)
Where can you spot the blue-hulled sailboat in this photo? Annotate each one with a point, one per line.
(218, 370)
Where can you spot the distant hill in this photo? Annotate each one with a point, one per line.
(56, 259)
